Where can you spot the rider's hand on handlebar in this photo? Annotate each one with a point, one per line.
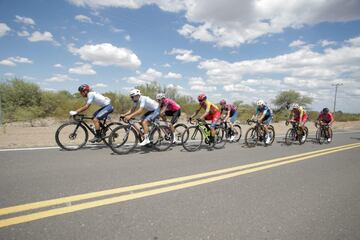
(73, 113)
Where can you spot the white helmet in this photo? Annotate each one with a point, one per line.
(160, 96)
(260, 102)
(295, 105)
(134, 92)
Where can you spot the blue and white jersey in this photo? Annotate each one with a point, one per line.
(98, 99)
(146, 103)
(265, 110)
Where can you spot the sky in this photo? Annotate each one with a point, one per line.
(239, 50)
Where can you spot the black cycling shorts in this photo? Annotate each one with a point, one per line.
(175, 115)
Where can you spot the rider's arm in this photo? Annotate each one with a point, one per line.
(196, 112)
(227, 115)
(135, 113)
(83, 108)
(206, 111)
(163, 110)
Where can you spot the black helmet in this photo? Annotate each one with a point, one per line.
(325, 110)
(84, 87)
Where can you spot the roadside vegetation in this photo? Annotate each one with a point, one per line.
(24, 101)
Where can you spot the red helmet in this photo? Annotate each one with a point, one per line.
(201, 97)
(84, 87)
(222, 102)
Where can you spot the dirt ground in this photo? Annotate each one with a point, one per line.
(42, 133)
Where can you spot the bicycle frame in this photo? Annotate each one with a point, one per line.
(80, 119)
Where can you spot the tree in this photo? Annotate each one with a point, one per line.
(286, 98)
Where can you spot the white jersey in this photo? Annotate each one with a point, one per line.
(98, 99)
(147, 103)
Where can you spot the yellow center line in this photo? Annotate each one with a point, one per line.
(131, 196)
(86, 196)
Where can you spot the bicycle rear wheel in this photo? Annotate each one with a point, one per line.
(123, 139)
(180, 128)
(106, 131)
(162, 138)
(290, 136)
(251, 137)
(71, 136)
(237, 132)
(192, 139)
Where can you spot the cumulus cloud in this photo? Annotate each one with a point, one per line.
(184, 55)
(4, 29)
(106, 54)
(83, 19)
(58, 65)
(173, 75)
(41, 37)
(11, 61)
(23, 34)
(151, 75)
(24, 20)
(100, 85)
(59, 78)
(297, 43)
(198, 84)
(85, 69)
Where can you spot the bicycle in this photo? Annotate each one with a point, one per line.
(236, 131)
(180, 128)
(295, 133)
(323, 133)
(74, 135)
(125, 138)
(257, 134)
(194, 135)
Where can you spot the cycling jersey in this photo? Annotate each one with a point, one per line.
(265, 110)
(210, 107)
(325, 117)
(229, 107)
(146, 103)
(300, 114)
(98, 99)
(170, 105)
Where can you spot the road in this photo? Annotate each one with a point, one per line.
(278, 192)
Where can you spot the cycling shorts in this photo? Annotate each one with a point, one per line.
(151, 115)
(214, 118)
(174, 114)
(103, 112)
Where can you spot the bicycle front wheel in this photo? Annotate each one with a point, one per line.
(71, 136)
(290, 136)
(237, 132)
(251, 137)
(162, 138)
(106, 132)
(180, 128)
(192, 139)
(123, 139)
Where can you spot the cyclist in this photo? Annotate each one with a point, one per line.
(100, 114)
(231, 113)
(264, 115)
(142, 103)
(211, 113)
(298, 114)
(325, 117)
(168, 107)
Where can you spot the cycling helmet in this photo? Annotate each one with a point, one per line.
(260, 103)
(295, 105)
(160, 96)
(134, 92)
(222, 102)
(202, 97)
(83, 88)
(325, 110)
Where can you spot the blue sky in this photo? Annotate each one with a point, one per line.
(232, 49)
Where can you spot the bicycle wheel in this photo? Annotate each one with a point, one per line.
(106, 131)
(320, 135)
(161, 137)
(330, 135)
(271, 132)
(251, 137)
(220, 136)
(180, 128)
(290, 136)
(192, 138)
(306, 131)
(71, 136)
(301, 139)
(123, 139)
(237, 132)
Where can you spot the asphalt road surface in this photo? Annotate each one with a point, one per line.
(277, 192)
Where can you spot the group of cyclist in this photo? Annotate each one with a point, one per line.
(163, 107)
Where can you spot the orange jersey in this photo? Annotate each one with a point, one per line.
(208, 106)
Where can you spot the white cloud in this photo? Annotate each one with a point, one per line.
(23, 34)
(45, 36)
(59, 78)
(184, 55)
(106, 54)
(100, 85)
(116, 30)
(238, 88)
(4, 29)
(58, 65)
(11, 61)
(166, 65)
(198, 84)
(127, 38)
(297, 43)
(9, 74)
(85, 69)
(173, 75)
(325, 43)
(83, 19)
(24, 20)
(151, 75)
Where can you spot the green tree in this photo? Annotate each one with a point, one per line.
(286, 98)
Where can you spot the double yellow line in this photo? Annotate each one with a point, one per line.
(39, 210)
